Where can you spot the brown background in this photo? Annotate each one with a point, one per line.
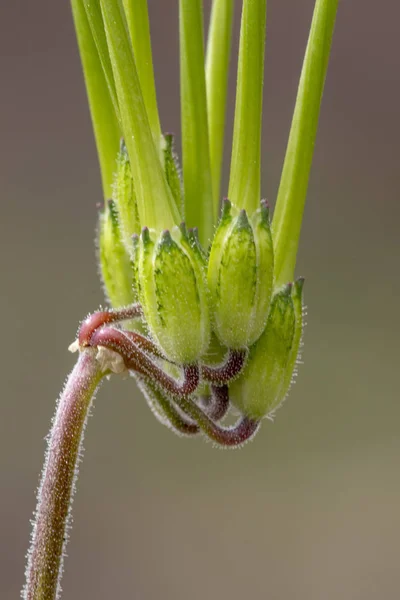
(310, 509)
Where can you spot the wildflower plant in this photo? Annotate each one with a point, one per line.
(204, 308)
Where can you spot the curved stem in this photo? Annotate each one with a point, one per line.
(49, 537)
(137, 360)
(229, 437)
(226, 371)
(165, 410)
(105, 317)
(219, 402)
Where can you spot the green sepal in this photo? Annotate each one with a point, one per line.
(217, 248)
(297, 297)
(173, 294)
(240, 276)
(173, 171)
(263, 384)
(265, 270)
(125, 199)
(115, 264)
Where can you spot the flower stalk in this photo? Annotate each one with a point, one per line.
(50, 532)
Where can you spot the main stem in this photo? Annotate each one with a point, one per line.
(49, 537)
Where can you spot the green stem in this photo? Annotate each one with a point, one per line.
(53, 512)
(95, 18)
(289, 208)
(137, 17)
(200, 210)
(244, 182)
(217, 68)
(156, 205)
(102, 109)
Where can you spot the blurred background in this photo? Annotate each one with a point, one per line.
(310, 509)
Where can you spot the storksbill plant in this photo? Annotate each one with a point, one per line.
(204, 310)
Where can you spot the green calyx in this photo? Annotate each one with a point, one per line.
(125, 199)
(172, 291)
(262, 386)
(240, 275)
(115, 263)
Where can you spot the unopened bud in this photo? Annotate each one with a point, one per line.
(124, 197)
(172, 291)
(115, 264)
(240, 276)
(297, 297)
(265, 381)
(172, 170)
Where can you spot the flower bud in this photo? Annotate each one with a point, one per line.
(172, 291)
(240, 276)
(265, 381)
(124, 197)
(172, 170)
(115, 264)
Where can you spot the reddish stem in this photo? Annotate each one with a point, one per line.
(49, 537)
(137, 360)
(226, 371)
(105, 317)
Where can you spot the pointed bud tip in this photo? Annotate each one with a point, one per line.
(287, 289)
(226, 208)
(169, 141)
(183, 230)
(112, 211)
(298, 286)
(145, 235)
(265, 210)
(122, 146)
(166, 239)
(242, 221)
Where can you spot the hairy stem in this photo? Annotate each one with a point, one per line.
(49, 536)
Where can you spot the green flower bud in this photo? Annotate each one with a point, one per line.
(124, 197)
(173, 294)
(172, 170)
(240, 276)
(265, 381)
(297, 297)
(115, 264)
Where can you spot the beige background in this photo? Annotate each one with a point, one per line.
(309, 510)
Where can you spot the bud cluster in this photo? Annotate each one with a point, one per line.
(214, 331)
(213, 319)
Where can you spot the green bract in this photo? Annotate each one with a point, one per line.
(217, 289)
